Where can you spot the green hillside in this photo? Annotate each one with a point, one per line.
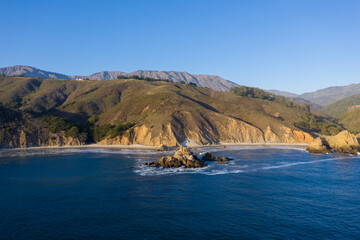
(151, 111)
(346, 112)
(351, 120)
(340, 107)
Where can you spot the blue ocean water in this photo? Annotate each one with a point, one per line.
(264, 193)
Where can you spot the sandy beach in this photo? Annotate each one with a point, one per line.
(144, 147)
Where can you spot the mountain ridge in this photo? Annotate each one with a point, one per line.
(213, 82)
(329, 95)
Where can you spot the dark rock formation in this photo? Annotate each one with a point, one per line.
(184, 157)
(172, 162)
(318, 145)
(162, 147)
(211, 158)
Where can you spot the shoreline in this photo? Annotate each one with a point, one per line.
(145, 147)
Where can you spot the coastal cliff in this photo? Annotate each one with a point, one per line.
(344, 142)
(25, 139)
(237, 132)
(21, 130)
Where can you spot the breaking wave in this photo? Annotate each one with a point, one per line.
(9, 153)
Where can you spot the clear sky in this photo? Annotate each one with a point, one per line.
(295, 46)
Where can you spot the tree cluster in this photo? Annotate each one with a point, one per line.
(140, 77)
(318, 124)
(252, 93)
(99, 133)
(57, 124)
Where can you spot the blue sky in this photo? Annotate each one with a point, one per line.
(296, 46)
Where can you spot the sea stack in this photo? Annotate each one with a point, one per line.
(183, 157)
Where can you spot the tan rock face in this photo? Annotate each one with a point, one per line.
(288, 135)
(144, 136)
(318, 145)
(302, 137)
(210, 157)
(230, 131)
(25, 139)
(59, 139)
(162, 147)
(183, 152)
(270, 136)
(344, 142)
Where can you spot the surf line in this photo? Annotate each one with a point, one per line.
(302, 163)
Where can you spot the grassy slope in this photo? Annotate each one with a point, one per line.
(340, 107)
(346, 111)
(351, 120)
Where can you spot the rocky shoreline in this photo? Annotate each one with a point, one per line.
(344, 142)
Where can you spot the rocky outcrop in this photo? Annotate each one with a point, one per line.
(24, 139)
(183, 157)
(358, 137)
(145, 136)
(211, 158)
(301, 136)
(318, 145)
(288, 135)
(162, 147)
(344, 142)
(59, 139)
(270, 136)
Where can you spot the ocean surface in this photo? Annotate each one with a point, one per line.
(264, 193)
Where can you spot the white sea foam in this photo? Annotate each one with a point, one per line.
(8, 153)
(247, 147)
(301, 163)
(5, 153)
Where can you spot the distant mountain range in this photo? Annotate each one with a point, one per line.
(323, 97)
(330, 95)
(316, 99)
(31, 72)
(283, 93)
(210, 81)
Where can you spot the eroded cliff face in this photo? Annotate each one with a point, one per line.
(23, 139)
(184, 129)
(175, 133)
(144, 136)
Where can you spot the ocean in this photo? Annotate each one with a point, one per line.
(266, 192)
